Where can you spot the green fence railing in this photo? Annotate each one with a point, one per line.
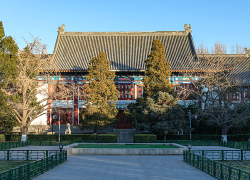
(10, 145)
(193, 142)
(216, 169)
(34, 169)
(224, 155)
(236, 145)
(25, 155)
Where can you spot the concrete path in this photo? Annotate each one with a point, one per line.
(37, 148)
(139, 167)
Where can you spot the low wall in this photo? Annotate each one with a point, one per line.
(125, 151)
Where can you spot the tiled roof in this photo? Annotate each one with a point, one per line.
(125, 50)
(239, 66)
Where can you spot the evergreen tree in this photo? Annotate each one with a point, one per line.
(8, 74)
(8, 57)
(157, 71)
(159, 114)
(100, 111)
(7, 120)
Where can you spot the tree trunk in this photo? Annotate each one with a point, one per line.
(224, 130)
(24, 130)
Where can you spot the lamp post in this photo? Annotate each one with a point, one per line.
(59, 124)
(189, 146)
(60, 147)
(189, 112)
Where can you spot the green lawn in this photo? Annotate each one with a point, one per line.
(244, 165)
(124, 146)
(6, 165)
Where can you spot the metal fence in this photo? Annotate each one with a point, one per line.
(26, 155)
(193, 142)
(33, 169)
(224, 155)
(236, 145)
(214, 168)
(10, 145)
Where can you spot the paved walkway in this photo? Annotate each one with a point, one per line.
(139, 167)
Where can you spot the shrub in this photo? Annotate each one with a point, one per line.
(2, 136)
(187, 137)
(12, 137)
(62, 137)
(107, 138)
(144, 138)
(78, 137)
(42, 137)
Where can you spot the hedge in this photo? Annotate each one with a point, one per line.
(236, 137)
(14, 137)
(107, 138)
(144, 138)
(2, 137)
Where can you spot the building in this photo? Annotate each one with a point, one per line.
(127, 51)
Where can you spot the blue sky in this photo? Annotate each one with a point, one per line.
(211, 20)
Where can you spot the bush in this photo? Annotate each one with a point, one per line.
(238, 137)
(78, 137)
(187, 137)
(42, 137)
(13, 137)
(62, 137)
(144, 138)
(107, 138)
(2, 136)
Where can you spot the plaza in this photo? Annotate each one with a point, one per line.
(106, 167)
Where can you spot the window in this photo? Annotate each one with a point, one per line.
(132, 96)
(126, 92)
(132, 92)
(122, 86)
(129, 86)
(129, 96)
(132, 86)
(119, 86)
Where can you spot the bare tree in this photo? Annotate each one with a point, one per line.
(217, 89)
(35, 90)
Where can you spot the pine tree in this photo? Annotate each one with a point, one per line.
(162, 115)
(8, 57)
(157, 71)
(100, 111)
(8, 74)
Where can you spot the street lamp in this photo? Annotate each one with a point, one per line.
(189, 146)
(189, 112)
(60, 147)
(59, 124)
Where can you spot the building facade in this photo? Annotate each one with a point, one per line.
(126, 52)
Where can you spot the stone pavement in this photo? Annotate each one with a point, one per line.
(108, 167)
(121, 167)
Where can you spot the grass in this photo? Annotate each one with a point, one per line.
(6, 165)
(124, 146)
(244, 165)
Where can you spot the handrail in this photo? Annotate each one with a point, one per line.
(214, 168)
(34, 169)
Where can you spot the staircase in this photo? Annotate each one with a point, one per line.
(124, 135)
